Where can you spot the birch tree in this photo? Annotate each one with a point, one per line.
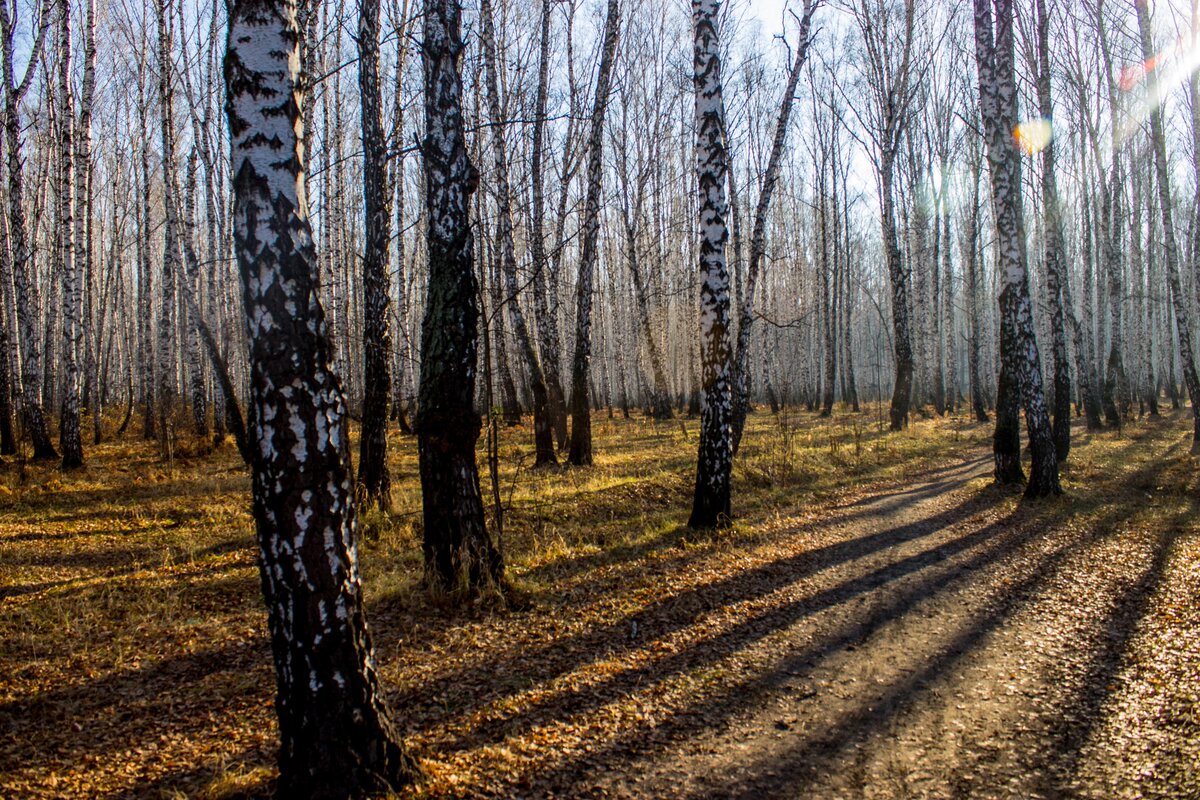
(18, 231)
(459, 553)
(338, 738)
(714, 462)
(1020, 364)
(1180, 302)
(373, 474)
(581, 403)
(69, 437)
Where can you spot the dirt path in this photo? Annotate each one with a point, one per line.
(942, 640)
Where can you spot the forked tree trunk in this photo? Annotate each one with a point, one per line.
(373, 474)
(581, 420)
(458, 550)
(1180, 302)
(714, 462)
(1020, 371)
(338, 738)
(758, 236)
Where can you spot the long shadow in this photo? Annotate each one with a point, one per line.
(567, 567)
(803, 763)
(676, 612)
(712, 649)
(89, 581)
(147, 697)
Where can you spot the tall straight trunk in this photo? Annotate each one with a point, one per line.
(373, 474)
(581, 421)
(1020, 371)
(8, 375)
(758, 236)
(165, 399)
(975, 335)
(1146, 307)
(545, 321)
(827, 302)
(191, 293)
(1085, 343)
(146, 360)
(69, 437)
(83, 201)
(543, 433)
(1056, 272)
(459, 553)
(22, 260)
(714, 461)
(1180, 302)
(1115, 382)
(898, 278)
(338, 738)
(401, 374)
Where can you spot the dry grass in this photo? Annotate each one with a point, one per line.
(132, 648)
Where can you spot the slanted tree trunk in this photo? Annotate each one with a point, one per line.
(758, 236)
(714, 462)
(373, 474)
(543, 433)
(1020, 371)
(338, 738)
(581, 405)
(459, 553)
(1180, 302)
(69, 436)
(22, 262)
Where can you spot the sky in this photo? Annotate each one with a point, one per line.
(770, 14)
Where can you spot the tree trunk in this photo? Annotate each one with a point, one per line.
(338, 739)
(1020, 372)
(69, 436)
(1180, 302)
(758, 236)
(165, 400)
(459, 554)
(26, 303)
(714, 462)
(1056, 272)
(373, 474)
(543, 434)
(581, 421)
(545, 320)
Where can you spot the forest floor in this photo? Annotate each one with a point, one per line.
(881, 622)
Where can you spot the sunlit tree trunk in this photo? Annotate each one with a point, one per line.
(714, 462)
(338, 739)
(1020, 370)
(165, 400)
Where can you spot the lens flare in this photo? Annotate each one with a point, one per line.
(1033, 135)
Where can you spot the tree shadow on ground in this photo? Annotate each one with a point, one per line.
(805, 762)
